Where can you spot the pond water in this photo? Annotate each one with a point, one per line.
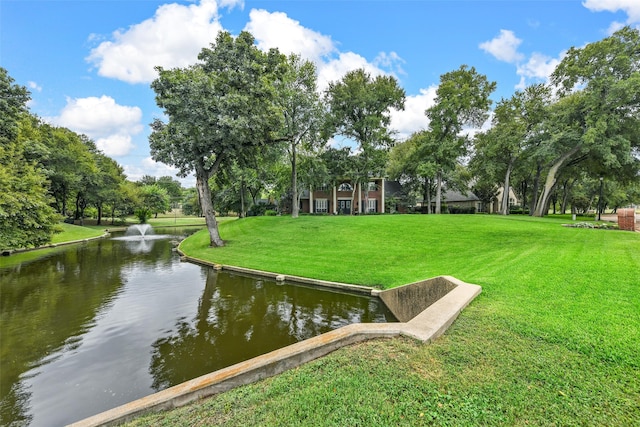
(93, 326)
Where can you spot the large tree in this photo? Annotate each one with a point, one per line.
(462, 99)
(303, 115)
(597, 114)
(516, 130)
(415, 171)
(220, 111)
(359, 109)
(26, 219)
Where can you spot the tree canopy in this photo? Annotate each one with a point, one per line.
(220, 111)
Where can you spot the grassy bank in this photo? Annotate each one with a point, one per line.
(68, 233)
(552, 340)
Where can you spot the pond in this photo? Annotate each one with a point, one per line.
(93, 326)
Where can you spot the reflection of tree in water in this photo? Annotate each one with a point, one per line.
(239, 318)
(46, 306)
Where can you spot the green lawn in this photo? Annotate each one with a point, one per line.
(67, 233)
(74, 232)
(553, 339)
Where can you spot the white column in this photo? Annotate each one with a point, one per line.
(335, 208)
(311, 199)
(382, 195)
(360, 197)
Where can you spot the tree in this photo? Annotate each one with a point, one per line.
(110, 178)
(155, 199)
(415, 171)
(359, 108)
(516, 129)
(190, 202)
(173, 187)
(597, 113)
(26, 219)
(219, 111)
(302, 113)
(462, 99)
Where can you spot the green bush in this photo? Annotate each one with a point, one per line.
(143, 214)
(518, 210)
(260, 209)
(270, 212)
(462, 209)
(91, 212)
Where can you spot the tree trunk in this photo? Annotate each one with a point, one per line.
(534, 190)
(295, 206)
(505, 189)
(438, 193)
(565, 196)
(428, 184)
(243, 212)
(99, 222)
(550, 182)
(206, 204)
(523, 187)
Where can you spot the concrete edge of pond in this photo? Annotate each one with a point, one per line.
(426, 326)
(281, 277)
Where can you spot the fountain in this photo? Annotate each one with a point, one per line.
(139, 230)
(140, 238)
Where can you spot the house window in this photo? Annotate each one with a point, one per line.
(345, 186)
(322, 187)
(372, 205)
(372, 186)
(322, 205)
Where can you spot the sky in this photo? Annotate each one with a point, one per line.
(89, 63)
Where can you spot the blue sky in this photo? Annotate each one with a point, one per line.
(89, 63)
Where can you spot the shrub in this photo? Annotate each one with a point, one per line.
(91, 212)
(462, 209)
(143, 214)
(260, 209)
(270, 212)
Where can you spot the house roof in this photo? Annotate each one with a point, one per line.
(451, 196)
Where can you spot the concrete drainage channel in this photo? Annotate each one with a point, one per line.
(425, 309)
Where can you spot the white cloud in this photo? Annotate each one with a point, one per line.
(630, 7)
(336, 68)
(504, 47)
(390, 61)
(538, 67)
(413, 118)
(148, 166)
(34, 86)
(614, 26)
(172, 38)
(110, 125)
(276, 29)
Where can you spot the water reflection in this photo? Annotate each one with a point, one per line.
(98, 325)
(240, 317)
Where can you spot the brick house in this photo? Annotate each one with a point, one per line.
(341, 199)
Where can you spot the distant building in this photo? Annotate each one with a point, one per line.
(378, 195)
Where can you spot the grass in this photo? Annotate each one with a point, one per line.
(68, 233)
(552, 340)
(74, 232)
